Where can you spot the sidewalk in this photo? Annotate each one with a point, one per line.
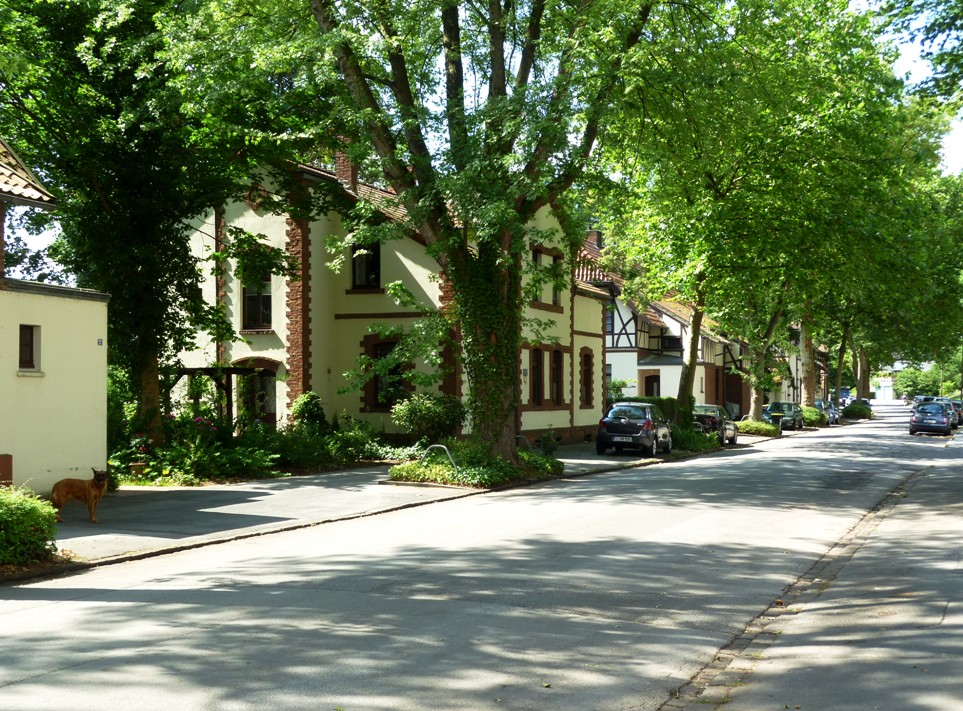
(886, 634)
(140, 521)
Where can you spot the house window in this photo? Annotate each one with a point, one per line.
(366, 266)
(610, 320)
(386, 387)
(556, 382)
(538, 377)
(29, 347)
(588, 379)
(608, 375)
(257, 305)
(556, 292)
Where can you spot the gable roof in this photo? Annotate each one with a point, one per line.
(19, 185)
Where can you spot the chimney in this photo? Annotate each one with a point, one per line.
(594, 237)
(346, 171)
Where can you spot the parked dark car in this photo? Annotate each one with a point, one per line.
(931, 417)
(829, 409)
(954, 413)
(715, 418)
(958, 408)
(792, 414)
(634, 425)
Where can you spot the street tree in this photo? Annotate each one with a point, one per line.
(479, 117)
(746, 185)
(86, 101)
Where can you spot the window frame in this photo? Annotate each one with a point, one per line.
(253, 315)
(366, 267)
(28, 354)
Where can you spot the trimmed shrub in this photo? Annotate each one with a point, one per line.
(668, 406)
(814, 417)
(692, 440)
(28, 528)
(429, 415)
(476, 468)
(308, 411)
(757, 427)
(855, 411)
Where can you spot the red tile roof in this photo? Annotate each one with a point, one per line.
(17, 183)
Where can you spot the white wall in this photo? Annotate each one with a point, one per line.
(53, 420)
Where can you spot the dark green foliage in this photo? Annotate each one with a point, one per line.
(814, 417)
(27, 527)
(429, 416)
(308, 411)
(692, 440)
(668, 406)
(855, 411)
(477, 468)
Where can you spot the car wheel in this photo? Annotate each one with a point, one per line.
(734, 438)
(599, 447)
(912, 431)
(722, 438)
(668, 445)
(653, 449)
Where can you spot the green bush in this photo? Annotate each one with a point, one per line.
(476, 467)
(692, 440)
(757, 427)
(28, 527)
(308, 411)
(855, 411)
(668, 406)
(814, 417)
(429, 415)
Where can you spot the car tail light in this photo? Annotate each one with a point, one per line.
(647, 425)
(602, 426)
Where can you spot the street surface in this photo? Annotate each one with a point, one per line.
(779, 575)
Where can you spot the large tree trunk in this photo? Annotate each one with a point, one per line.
(491, 344)
(807, 363)
(840, 362)
(757, 359)
(690, 354)
(149, 405)
(864, 386)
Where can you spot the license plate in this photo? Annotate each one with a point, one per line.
(621, 439)
(929, 422)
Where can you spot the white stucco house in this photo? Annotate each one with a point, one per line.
(644, 343)
(304, 334)
(53, 363)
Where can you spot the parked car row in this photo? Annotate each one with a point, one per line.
(716, 419)
(935, 414)
(791, 414)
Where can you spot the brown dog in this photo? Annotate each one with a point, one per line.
(87, 490)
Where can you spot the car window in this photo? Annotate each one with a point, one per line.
(931, 407)
(632, 413)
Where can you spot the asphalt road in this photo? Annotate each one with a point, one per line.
(613, 591)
